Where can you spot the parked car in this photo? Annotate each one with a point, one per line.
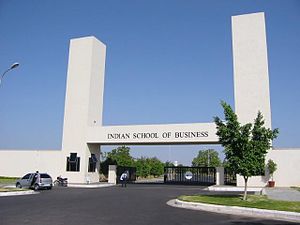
(45, 181)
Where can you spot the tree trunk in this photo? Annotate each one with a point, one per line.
(245, 190)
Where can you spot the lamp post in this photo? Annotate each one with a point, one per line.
(208, 159)
(13, 66)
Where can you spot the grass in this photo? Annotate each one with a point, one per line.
(253, 201)
(12, 189)
(8, 180)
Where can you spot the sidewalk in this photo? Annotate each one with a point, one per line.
(276, 193)
(285, 194)
(227, 188)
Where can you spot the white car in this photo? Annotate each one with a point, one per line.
(44, 181)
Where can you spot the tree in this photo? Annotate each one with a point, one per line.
(157, 167)
(142, 167)
(119, 156)
(149, 166)
(169, 164)
(122, 156)
(207, 158)
(245, 145)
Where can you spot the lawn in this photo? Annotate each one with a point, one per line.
(8, 180)
(12, 189)
(254, 201)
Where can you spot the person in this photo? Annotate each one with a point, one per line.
(124, 177)
(35, 179)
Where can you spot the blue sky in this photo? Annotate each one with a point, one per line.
(167, 62)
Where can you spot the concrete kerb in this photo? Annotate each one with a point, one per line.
(235, 210)
(217, 188)
(18, 193)
(92, 185)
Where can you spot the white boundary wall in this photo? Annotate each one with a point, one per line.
(288, 166)
(287, 173)
(16, 163)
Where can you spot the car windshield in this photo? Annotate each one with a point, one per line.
(44, 175)
(26, 176)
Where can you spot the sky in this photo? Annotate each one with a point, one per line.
(167, 62)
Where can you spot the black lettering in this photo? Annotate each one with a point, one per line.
(118, 136)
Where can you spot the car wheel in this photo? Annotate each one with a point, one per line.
(18, 185)
(36, 187)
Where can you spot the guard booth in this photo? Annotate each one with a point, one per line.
(131, 171)
(190, 175)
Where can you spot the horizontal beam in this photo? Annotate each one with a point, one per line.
(196, 133)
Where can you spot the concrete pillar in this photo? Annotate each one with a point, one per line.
(83, 103)
(250, 63)
(112, 174)
(219, 175)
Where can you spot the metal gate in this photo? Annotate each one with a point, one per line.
(190, 175)
(229, 177)
(131, 171)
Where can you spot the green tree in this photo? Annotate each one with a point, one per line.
(246, 145)
(169, 164)
(142, 167)
(157, 167)
(149, 166)
(209, 157)
(121, 156)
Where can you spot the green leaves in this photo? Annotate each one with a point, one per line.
(208, 157)
(245, 145)
(121, 157)
(146, 167)
(272, 167)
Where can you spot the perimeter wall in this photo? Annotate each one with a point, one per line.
(287, 173)
(16, 163)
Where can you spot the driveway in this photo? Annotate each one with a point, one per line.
(137, 204)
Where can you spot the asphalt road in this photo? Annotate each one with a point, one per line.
(138, 204)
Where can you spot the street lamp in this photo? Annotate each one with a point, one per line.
(13, 66)
(208, 159)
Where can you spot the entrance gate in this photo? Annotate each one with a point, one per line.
(190, 175)
(84, 132)
(229, 177)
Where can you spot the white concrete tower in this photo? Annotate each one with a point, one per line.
(83, 105)
(250, 62)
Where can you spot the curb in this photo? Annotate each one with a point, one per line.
(18, 193)
(236, 189)
(235, 210)
(90, 185)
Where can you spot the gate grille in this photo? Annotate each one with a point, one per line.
(131, 170)
(229, 177)
(190, 175)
